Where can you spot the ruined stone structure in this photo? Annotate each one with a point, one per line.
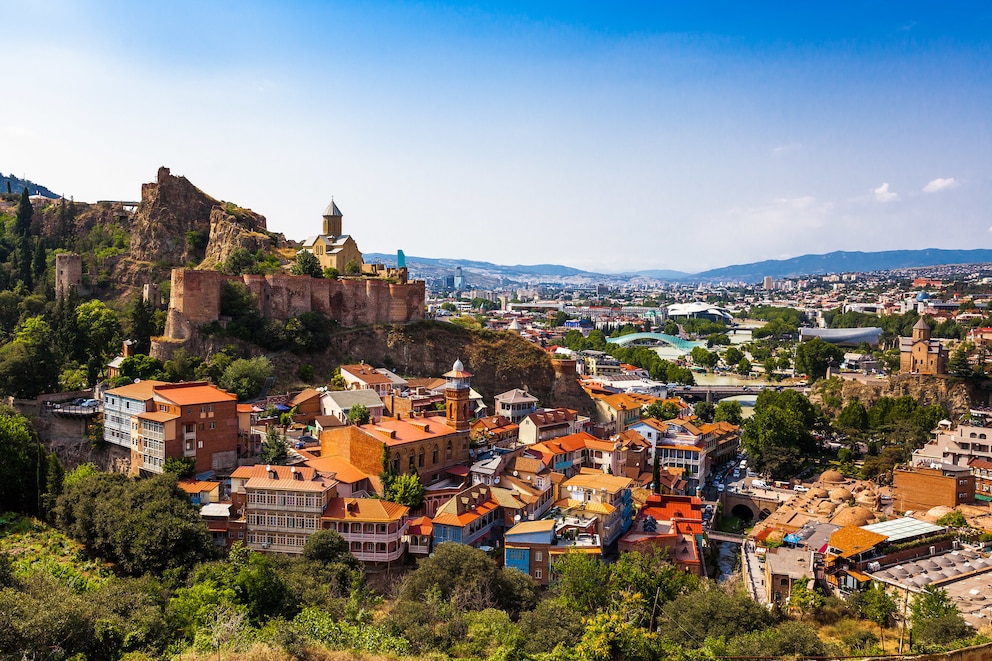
(150, 293)
(68, 273)
(195, 299)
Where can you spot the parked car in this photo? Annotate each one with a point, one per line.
(800, 488)
(89, 403)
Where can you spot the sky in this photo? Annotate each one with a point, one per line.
(605, 136)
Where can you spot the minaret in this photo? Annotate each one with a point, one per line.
(456, 397)
(332, 220)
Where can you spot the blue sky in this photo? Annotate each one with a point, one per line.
(606, 136)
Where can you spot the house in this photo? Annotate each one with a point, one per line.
(419, 536)
(114, 366)
(853, 551)
(338, 403)
(196, 420)
(515, 404)
(201, 492)
(224, 525)
(495, 430)
(432, 446)
(622, 409)
(352, 482)
(374, 529)
(532, 547)
(532, 483)
(120, 404)
(680, 445)
(955, 445)
(672, 523)
(605, 497)
(565, 455)
(476, 516)
(283, 505)
(546, 424)
(366, 377)
(599, 363)
(920, 488)
(981, 469)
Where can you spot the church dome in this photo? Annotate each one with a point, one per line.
(923, 296)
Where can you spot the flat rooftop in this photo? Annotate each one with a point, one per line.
(903, 528)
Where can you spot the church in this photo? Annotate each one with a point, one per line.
(334, 249)
(920, 354)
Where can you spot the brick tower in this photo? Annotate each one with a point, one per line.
(456, 397)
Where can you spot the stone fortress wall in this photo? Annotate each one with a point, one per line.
(195, 299)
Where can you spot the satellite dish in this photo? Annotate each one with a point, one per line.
(516, 518)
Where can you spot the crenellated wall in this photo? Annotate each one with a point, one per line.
(195, 299)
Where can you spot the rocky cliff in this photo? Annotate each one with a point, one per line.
(499, 361)
(231, 228)
(170, 209)
(956, 396)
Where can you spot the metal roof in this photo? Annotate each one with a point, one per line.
(905, 528)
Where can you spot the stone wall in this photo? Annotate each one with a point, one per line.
(195, 299)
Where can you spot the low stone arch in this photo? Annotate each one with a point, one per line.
(742, 512)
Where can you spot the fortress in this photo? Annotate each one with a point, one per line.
(195, 299)
(379, 296)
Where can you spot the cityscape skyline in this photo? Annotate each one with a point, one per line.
(522, 134)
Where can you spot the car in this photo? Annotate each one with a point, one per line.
(737, 473)
(719, 488)
(89, 403)
(800, 488)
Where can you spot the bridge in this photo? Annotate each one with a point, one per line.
(718, 392)
(752, 505)
(73, 411)
(655, 339)
(718, 536)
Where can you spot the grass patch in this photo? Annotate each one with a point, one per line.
(730, 523)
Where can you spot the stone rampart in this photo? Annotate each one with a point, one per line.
(195, 299)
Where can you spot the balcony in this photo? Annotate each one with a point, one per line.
(277, 507)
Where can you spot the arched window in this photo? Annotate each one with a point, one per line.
(420, 458)
(412, 459)
(396, 463)
(434, 455)
(447, 453)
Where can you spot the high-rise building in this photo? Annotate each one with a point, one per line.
(769, 284)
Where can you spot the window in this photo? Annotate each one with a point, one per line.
(434, 455)
(213, 425)
(538, 574)
(538, 556)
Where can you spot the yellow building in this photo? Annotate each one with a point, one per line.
(332, 248)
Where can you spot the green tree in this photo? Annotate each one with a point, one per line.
(550, 624)
(240, 261)
(733, 355)
(245, 376)
(327, 547)
(878, 606)
(100, 330)
(331, 273)
(813, 357)
(307, 264)
(656, 473)
(805, 599)
(141, 324)
(274, 449)
(744, 366)
(25, 467)
(353, 268)
(25, 212)
(704, 358)
(406, 490)
(662, 410)
(953, 519)
(359, 414)
(853, 417)
(181, 467)
(712, 611)
(729, 411)
(159, 530)
(958, 364)
(27, 365)
(583, 582)
(705, 411)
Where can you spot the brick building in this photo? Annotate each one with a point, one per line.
(921, 488)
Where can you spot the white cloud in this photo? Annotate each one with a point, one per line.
(940, 184)
(883, 194)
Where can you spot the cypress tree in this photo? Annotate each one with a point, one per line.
(24, 213)
(38, 265)
(656, 473)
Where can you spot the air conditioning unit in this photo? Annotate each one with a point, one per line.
(933, 550)
(956, 545)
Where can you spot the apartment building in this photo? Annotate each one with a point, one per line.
(547, 424)
(515, 404)
(374, 529)
(607, 497)
(282, 505)
(120, 404)
(195, 420)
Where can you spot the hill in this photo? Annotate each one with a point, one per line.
(844, 262)
(10, 183)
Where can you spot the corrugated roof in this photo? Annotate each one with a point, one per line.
(906, 527)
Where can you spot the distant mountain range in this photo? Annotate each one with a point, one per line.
(487, 274)
(16, 185)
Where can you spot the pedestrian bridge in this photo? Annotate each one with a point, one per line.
(655, 339)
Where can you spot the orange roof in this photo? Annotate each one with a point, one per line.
(395, 432)
(622, 401)
(599, 444)
(142, 390)
(344, 471)
(666, 508)
(196, 486)
(852, 540)
(244, 408)
(364, 509)
(453, 519)
(303, 396)
(259, 477)
(186, 394)
(420, 526)
(157, 416)
(366, 373)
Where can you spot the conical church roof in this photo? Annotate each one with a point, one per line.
(332, 210)
(921, 325)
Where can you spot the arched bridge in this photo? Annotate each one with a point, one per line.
(753, 505)
(654, 339)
